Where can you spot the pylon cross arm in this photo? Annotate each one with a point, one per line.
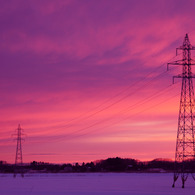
(182, 76)
(179, 63)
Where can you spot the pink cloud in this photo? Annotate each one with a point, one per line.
(61, 60)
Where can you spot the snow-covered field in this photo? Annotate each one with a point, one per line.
(94, 184)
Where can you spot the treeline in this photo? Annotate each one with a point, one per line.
(109, 165)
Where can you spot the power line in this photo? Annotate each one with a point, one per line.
(110, 125)
(88, 115)
(119, 100)
(132, 107)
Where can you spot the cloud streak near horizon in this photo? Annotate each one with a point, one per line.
(89, 77)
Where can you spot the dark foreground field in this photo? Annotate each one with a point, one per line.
(93, 184)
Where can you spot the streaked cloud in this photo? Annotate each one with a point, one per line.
(82, 76)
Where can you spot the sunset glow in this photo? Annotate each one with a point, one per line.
(88, 80)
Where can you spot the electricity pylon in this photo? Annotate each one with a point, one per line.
(185, 144)
(18, 159)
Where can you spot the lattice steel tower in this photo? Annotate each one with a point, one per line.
(18, 159)
(185, 144)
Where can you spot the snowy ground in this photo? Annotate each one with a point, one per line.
(94, 184)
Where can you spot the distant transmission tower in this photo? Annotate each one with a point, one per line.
(185, 144)
(18, 159)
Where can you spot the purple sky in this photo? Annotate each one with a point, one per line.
(64, 60)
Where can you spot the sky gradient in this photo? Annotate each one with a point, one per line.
(87, 80)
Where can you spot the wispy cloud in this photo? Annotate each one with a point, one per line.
(73, 72)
